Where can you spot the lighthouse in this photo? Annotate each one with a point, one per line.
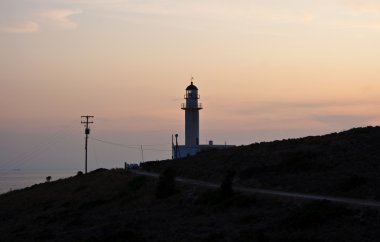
(192, 146)
(191, 107)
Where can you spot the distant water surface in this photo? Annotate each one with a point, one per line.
(17, 179)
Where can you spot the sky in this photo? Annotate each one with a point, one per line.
(265, 69)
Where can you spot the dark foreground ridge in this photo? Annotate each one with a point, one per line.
(254, 191)
(116, 205)
(345, 164)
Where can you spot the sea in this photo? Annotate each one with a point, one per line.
(21, 178)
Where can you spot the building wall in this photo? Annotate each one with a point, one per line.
(185, 151)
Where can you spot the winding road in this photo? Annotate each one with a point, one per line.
(248, 190)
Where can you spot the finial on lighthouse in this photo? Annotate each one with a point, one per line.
(192, 86)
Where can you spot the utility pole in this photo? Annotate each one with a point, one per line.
(177, 154)
(142, 154)
(86, 120)
(172, 147)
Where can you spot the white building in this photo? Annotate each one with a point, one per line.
(192, 146)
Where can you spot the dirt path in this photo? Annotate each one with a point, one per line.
(349, 201)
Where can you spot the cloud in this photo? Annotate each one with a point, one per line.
(261, 107)
(61, 17)
(345, 120)
(316, 114)
(363, 6)
(21, 28)
(360, 14)
(366, 26)
(222, 10)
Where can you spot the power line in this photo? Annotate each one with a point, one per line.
(127, 145)
(117, 144)
(137, 147)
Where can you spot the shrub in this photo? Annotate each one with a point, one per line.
(166, 184)
(137, 183)
(226, 186)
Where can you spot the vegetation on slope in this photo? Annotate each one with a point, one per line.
(118, 206)
(338, 164)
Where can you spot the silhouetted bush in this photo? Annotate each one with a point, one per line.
(225, 197)
(48, 178)
(137, 183)
(226, 186)
(166, 184)
(79, 173)
(99, 170)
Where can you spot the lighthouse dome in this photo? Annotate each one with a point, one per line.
(191, 87)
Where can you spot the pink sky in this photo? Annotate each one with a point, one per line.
(265, 69)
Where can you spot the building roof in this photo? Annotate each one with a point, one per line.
(191, 87)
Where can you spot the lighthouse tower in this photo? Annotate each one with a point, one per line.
(191, 107)
(192, 146)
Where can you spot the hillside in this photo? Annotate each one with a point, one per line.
(338, 164)
(116, 205)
